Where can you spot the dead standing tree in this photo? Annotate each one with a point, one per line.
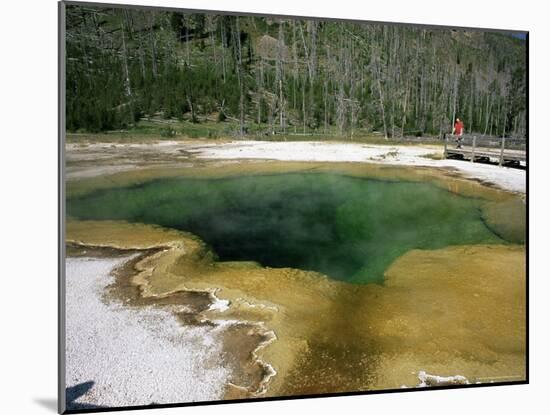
(237, 47)
(280, 75)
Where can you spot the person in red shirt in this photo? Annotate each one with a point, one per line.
(458, 130)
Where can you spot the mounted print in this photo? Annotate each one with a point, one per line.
(255, 207)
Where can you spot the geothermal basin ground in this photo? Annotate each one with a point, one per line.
(433, 292)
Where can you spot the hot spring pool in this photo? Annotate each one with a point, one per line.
(348, 228)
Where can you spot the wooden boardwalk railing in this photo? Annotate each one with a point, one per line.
(509, 151)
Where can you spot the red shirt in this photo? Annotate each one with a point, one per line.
(459, 126)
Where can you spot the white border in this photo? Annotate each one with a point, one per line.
(29, 204)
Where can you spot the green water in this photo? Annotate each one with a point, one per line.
(347, 228)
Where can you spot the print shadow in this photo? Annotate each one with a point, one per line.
(48, 403)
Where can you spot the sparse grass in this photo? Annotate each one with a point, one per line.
(148, 130)
(157, 129)
(434, 156)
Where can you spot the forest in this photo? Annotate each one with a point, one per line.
(270, 76)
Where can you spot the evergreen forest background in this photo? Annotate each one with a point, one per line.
(217, 75)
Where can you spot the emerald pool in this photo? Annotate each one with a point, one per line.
(348, 228)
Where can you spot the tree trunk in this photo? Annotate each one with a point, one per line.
(125, 63)
(152, 43)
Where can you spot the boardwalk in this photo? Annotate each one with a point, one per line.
(504, 151)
